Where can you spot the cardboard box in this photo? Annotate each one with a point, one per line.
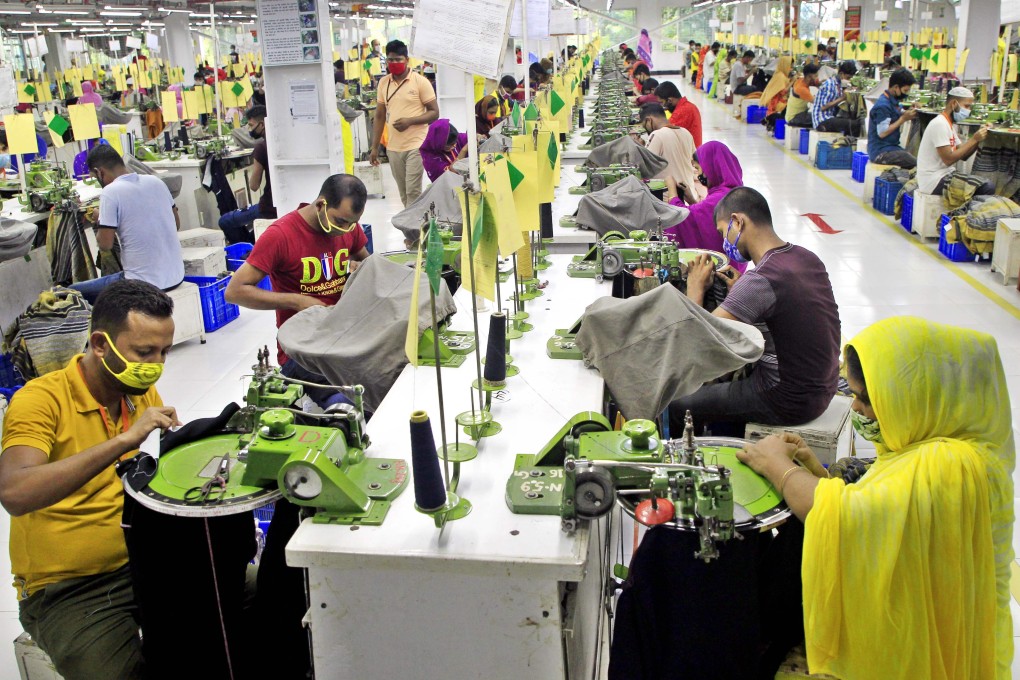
(204, 261)
(201, 237)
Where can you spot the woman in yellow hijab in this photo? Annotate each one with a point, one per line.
(777, 91)
(906, 572)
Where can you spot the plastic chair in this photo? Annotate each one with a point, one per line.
(81, 168)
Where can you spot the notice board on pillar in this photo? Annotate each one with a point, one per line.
(538, 20)
(469, 35)
(291, 32)
(561, 22)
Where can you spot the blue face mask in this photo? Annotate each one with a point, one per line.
(731, 249)
(961, 115)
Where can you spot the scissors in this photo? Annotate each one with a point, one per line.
(215, 489)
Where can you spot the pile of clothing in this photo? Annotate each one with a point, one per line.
(49, 333)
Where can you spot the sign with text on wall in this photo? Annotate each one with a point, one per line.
(469, 35)
(291, 32)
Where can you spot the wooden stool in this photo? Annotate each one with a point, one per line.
(1006, 250)
(871, 173)
(187, 313)
(928, 209)
(828, 435)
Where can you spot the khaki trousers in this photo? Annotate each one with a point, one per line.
(407, 171)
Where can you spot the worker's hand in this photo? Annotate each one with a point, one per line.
(728, 275)
(400, 124)
(162, 417)
(672, 188)
(909, 114)
(981, 134)
(373, 157)
(804, 455)
(769, 454)
(303, 302)
(700, 275)
(352, 266)
(637, 138)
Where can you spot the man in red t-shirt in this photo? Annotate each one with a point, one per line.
(685, 113)
(307, 255)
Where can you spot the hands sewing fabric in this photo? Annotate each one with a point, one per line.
(771, 456)
(162, 417)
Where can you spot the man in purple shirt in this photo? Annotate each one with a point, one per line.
(789, 298)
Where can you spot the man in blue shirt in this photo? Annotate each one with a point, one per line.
(830, 96)
(886, 119)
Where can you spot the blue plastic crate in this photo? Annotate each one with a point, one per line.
(805, 139)
(859, 166)
(828, 158)
(8, 392)
(216, 312)
(780, 131)
(264, 516)
(957, 252)
(885, 195)
(367, 228)
(10, 376)
(755, 115)
(907, 216)
(236, 255)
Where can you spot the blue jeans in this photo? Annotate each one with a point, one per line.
(236, 222)
(322, 397)
(90, 290)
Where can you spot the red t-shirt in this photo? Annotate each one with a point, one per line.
(299, 260)
(687, 116)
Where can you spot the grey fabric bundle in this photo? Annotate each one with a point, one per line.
(173, 181)
(110, 115)
(626, 205)
(360, 339)
(443, 194)
(243, 138)
(625, 151)
(496, 143)
(16, 238)
(50, 332)
(660, 346)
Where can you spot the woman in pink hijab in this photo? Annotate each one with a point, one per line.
(89, 96)
(644, 48)
(176, 88)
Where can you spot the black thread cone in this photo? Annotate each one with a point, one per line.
(495, 351)
(429, 490)
(545, 219)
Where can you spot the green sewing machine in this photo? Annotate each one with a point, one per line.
(211, 147)
(48, 184)
(613, 254)
(690, 484)
(602, 177)
(269, 450)
(563, 343)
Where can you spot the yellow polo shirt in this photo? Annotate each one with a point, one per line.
(81, 535)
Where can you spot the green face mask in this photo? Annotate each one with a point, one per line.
(866, 427)
(137, 377)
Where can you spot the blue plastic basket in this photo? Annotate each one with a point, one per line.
(780, 131)
(264, 516)
(367, 228)
(10, 376)
(237, 254)
(216, 312)
(859, 166)
(957, 252)
(8, 392)
(885, 195)
(755, 115)
(828, 158)
(805, 139)
(907, 216)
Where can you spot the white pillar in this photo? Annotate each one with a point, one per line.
(451, 95)
(179, 46)
(57, 58)
(979, 31)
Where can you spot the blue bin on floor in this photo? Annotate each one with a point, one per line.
(367, 228)
(956, 252)
(828, 158)
(805, 138)
(907, 216)
(859, 166)
(755, 115)
(780, 131)
(885, 195)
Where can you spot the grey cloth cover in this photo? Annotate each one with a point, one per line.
(625, 205)
(173, 181)
(628, 152)
(16, 238)
(109, 114)
(443, 194)
(360, 339)
(496, 143)
(349, 113)
(243, 138)
(660, 346)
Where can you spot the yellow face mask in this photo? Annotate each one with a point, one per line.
(136, 377)
(328, 226)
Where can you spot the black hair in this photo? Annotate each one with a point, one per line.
(451, 138)
(811, 69)
(888, 47)
(629, 53)
(641, 68)
(648, 87)
(104, 156)
(122, 297)
(848, 67)
(258, 112)
(339, 63)
(338, 187)
(667, 90)
(716, 46)
(508, 83)
(822, 48)
(396, 47)
(856, 371)
(748, 55)
(745, 200)
(902, 77)
(691, 42)
(629, 56)
(536, 70)
(651, 111)
(3, 138)
(731, 54)
(199, 76)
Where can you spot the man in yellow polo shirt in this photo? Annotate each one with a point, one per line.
(62, 436)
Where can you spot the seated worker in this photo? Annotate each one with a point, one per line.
(941, 485)
(307, 255)
(725, 68)
(685, 113)
(941, 148)
(486, 116)
(788, 296)
(821, 54)
(504, 94)
(740, 72)
(648, 92)
(886, 119)
(798, 105)
(139, 211)
(776, 94)
(640, 75)
(443, 146)
(536, 77)
(237, 224)
(830, 96)
(62, 436)
(888, 60)
(676, 146)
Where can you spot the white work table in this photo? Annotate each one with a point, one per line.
(482, 598)
(196, 204)
(16, 211)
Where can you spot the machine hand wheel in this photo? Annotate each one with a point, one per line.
(598, 183)
(594, 494)
(612, 262)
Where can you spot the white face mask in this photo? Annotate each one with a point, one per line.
(961, 115)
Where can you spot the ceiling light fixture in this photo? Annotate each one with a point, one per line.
(120, 14)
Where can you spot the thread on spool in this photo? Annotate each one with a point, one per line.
(495, 352)
(545, 220)
(429, 490)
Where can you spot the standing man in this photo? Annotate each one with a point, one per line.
(941, 148)
(739, 74)
(709, 66)
(886, 119)
(830, 96)
(685, 113)
(62, 437)
(237, 224)
(407, 104)
(139, 211)
(687, 58)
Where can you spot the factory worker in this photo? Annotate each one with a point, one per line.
(887, 118)
(789, 298)
(676, 146)
(941, 147)
(62, 436)
(684, 114)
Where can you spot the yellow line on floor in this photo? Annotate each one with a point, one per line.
(1014, 582)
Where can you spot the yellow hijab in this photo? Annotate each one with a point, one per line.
(906, 573)
(779, 81)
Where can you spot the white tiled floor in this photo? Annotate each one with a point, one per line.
(877, 271)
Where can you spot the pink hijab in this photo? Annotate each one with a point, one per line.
(176, 88)
(88, 96)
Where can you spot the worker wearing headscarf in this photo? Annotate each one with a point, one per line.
(644, 49)
(88, 96)
(443, 146)
(486, 114)
(919, 550)
(777, 91)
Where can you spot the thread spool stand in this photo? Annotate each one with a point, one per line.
(431, 496)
